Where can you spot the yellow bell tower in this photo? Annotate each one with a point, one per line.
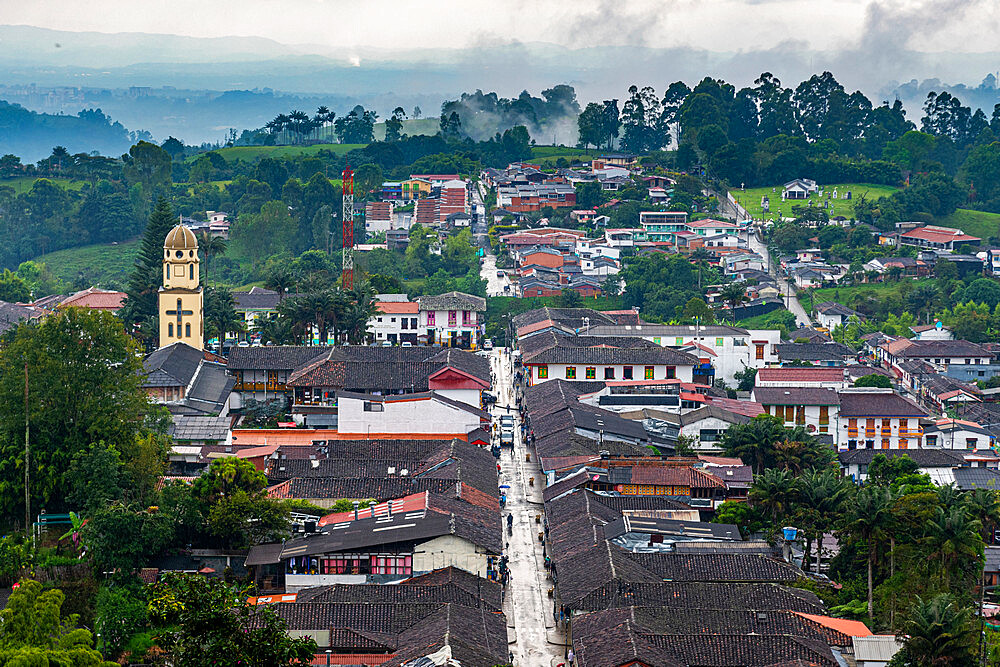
(181, 302)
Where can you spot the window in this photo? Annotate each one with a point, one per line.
(543, 372)
(609, 373)
(413, 323)
(170, 329)
(760, 350)
(571, 372)
(374, 406)
(719, 341)
(627, 372)
(187, 330)
(591, 373)
(678, 341)
(648, 374)
(968, 361)
(392, 320)
(671, 372)
(191, 271)
(656, 339)
(430, 318)
(789, 413)
(800, 415)
(452, 318)
(404, 323)
(824, 415)
(166, 272)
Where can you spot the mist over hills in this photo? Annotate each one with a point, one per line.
(179, 84)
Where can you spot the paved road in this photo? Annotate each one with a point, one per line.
(535, 640)
(786, 287)
(494, 283)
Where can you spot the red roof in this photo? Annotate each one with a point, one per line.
(397, 307)
(745, 408)
(807, 374)
(413, 503)
(366, 659)
(710, 223)
(98, 299)
(939, 235)
(841, 625)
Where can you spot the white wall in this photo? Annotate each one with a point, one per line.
(403, 416)
(558, 372)
(449, 551)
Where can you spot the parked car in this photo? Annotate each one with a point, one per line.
(488, 344)
(507, 438)
(507, 421)
(500, 274)
(406, 344)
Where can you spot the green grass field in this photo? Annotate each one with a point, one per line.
(750, 199)
(844, 295)
(22, 184)
(976, 223)
(102, 265)
(254, 153)
(414, 127)
(548, 155)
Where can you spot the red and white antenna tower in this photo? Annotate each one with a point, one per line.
(347, 276)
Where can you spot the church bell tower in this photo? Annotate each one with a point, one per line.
(181, 302)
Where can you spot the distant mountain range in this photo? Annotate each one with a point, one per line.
(173, 85)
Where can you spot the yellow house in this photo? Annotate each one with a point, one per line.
(415, 188)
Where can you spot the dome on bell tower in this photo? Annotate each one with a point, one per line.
(180, 238)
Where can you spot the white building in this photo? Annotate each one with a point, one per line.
(454, 319)
(730, 349)
(396, 322)
(815, 408)
(429, 412)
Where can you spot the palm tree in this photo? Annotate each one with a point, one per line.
(939, 632)
(211, 245)
(734, 294)
(775, 491)
(299, 122)
(281, 122)
(789, 455)
(281, 280)
(822, 495)
(322, 115)
(754, 442)
(923, 299)
(984, 504)
(277, 330)
(870, 515)
(953, 538)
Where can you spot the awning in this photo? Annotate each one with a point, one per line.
(265, 554)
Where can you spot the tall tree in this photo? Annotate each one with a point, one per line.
(84, 377)
(868, 520)
(147, 276)
(211, 246)
(939, 632)
(35, 632)
(210, 622)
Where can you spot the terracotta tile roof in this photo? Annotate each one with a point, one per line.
(936, 234)
(96, 299)
(397, 307)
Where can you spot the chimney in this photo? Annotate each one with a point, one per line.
(356, 504)
(458, 489)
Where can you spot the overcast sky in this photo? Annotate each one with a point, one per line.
(718, 25)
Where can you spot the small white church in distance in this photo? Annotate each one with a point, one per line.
(181, 300)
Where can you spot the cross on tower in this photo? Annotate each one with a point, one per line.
(180, 313)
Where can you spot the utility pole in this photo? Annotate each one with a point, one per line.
(27, 459)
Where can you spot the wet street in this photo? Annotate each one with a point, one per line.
(534, 639)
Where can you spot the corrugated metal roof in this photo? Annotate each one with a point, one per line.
(877, 648)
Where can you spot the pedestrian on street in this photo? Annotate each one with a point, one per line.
(570, 657)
